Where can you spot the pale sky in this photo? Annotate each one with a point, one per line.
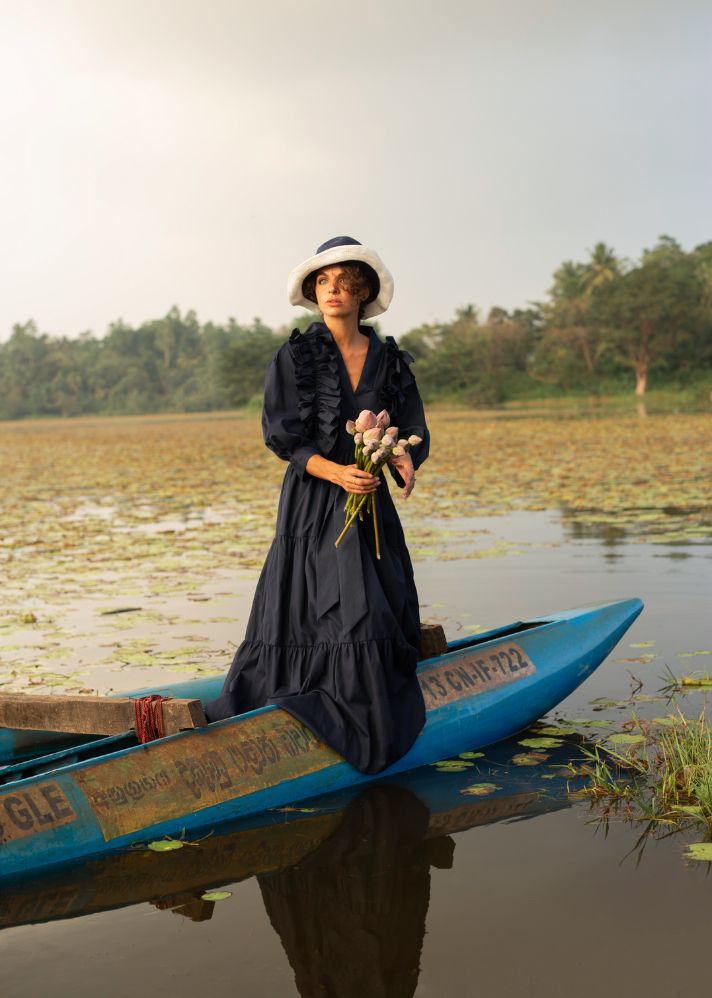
(160, 152)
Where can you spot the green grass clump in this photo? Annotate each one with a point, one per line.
(663, 773)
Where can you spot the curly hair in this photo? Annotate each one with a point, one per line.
(355, 278)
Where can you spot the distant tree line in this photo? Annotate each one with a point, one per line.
(606, 323)
(170, 364)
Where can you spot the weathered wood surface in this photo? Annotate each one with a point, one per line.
(432, 641)
(90, 715)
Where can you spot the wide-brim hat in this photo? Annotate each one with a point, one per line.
(343, 249)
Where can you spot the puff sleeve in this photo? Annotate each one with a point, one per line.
(407, 408)
(283, 429)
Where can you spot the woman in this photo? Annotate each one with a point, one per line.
(333, 633)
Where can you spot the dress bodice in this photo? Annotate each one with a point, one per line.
(325, 398)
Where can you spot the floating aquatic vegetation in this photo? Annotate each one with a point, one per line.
(625, 738)
(660, 772)
(113, 514)
(452, 765)
(699, 851)
(537, 743)
(529, 758)
(480, 789)
(165, 845)
(685, 684)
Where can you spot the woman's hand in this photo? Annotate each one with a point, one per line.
(352, 479)
(404, 466)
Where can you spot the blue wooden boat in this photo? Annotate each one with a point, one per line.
(102, 797)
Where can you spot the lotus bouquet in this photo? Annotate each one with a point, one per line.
(375, 441)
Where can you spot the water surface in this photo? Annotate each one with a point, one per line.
(410, 888)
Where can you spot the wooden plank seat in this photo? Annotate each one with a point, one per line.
(91, 715)
(432, 641)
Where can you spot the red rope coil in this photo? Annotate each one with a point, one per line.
(149, 717)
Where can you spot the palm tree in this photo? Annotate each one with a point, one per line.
(603, 265)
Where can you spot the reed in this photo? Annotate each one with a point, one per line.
(662, 775)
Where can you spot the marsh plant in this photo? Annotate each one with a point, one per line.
(658, 771)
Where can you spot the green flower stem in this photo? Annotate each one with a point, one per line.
(351, 519)
(375, 527)
(354, 506)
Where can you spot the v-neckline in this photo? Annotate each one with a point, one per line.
(354, 390)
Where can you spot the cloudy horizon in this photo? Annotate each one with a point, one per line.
(169, 152)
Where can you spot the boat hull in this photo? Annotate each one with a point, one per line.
(480, 692)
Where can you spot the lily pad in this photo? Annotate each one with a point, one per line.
(529, 758)
(471, 755)
(623, 738)
(541, 742)
(603, 703)
(452, 766)
(480, 789)
(165, 845)
(556, 732)
(216, 895)
(700, 851)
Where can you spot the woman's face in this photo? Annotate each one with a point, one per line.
(332, 297)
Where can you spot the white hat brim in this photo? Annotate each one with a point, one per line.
(340, 254)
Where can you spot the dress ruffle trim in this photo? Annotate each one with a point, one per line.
(316, 373)
(362, 698)
(397, 378)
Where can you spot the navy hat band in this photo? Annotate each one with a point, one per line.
(338, 241)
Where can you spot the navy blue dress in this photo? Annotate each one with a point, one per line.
(333, 634)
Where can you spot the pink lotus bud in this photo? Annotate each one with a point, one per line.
(404, 444)
(350, 426)
(388, 440)
(413, 440)
(393, 432)
(398, 451)
(383, 419)
(369, 447)
(358, 438)
(366, 420)
(373, 435)
(378, 456)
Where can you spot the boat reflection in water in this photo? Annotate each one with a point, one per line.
(351, 916)
(345, 880)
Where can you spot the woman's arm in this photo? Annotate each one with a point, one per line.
(411, 421)
(348, 476)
